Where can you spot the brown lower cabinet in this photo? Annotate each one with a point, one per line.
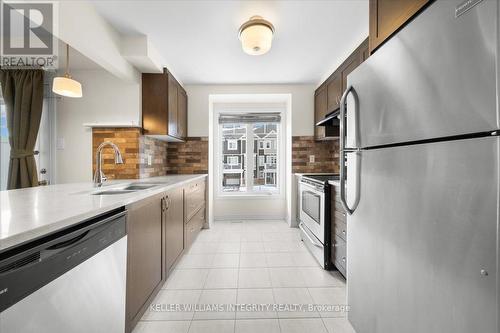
(145, 273)
(173, 223)
(339, 231)
(194, 211)
(194, 194)
(159, 229)
(194, 226)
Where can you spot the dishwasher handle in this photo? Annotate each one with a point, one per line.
(78, 236)
(68, 243)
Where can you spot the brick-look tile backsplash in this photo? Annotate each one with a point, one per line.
(157, 149)
(190, 157)
(326, 155)
(127, 140)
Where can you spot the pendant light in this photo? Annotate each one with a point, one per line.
(65, 85)
(256, 35)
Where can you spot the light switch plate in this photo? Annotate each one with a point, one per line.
(150, 160)
(312, 158)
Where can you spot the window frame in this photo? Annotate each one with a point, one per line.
(250, 166)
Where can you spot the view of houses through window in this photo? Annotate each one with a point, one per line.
(261, 162)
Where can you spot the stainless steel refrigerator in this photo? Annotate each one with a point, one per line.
(422, 145)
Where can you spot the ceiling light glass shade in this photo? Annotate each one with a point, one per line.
(66, 86)
(256, 36)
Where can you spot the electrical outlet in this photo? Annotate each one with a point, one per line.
(150, 160)
(312, 158)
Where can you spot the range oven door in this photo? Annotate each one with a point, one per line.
(312, 209)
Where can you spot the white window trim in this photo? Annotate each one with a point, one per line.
(250, 167)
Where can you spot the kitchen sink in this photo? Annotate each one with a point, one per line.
(129, 188)
(139, 186)
(111, 192)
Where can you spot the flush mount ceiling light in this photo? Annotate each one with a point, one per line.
(65, 85)
(256, 35)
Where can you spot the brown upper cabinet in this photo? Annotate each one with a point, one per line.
(327, 96)
(334, 92)
(164, 106)
(320, 110)
(388, 16)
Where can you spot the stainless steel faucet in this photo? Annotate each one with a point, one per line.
(99, 176)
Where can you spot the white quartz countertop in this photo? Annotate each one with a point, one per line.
(30, 213)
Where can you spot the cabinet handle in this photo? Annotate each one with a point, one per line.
(167, 202)
(343, 259)
(343, 232)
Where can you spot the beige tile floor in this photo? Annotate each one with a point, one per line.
(252, 263)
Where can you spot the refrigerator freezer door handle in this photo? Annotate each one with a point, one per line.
(343, 150)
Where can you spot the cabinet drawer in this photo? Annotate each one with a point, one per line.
(194, 198)
(339, 253)
(193, 227)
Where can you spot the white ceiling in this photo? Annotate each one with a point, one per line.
(199, 39)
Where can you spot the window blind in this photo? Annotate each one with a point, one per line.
(249, 118)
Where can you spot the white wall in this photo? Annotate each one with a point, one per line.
(302, 104)
(106, 99)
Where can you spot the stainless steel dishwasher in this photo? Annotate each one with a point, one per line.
(71, 281)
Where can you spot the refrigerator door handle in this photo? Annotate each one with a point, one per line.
(344, 151)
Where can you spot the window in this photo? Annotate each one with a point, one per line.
(232, 160)
(271, 159)
(247, 171)
(232, 144)
(270, 178)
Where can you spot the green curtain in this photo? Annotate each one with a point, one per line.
(22, 91)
